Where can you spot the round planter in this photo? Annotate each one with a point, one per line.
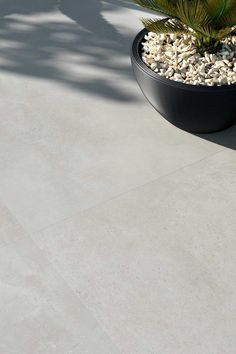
(196, 109)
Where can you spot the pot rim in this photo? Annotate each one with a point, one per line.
(136, 50)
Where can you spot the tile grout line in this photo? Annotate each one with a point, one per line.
(90, 208)
(83, 303)
(124, 193)
(104, 329)
(60, 276)
(42, 253)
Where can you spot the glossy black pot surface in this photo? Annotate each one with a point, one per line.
(196, 109)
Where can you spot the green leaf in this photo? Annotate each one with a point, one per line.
(165, 26)
(223, 12)
(218, 8)
(164, 7)
(229, 19)
(193, 13)
(209, 20)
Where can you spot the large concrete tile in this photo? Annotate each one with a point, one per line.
(10, 230)
(33, 188)
(157, 265)
(75, 129)
(39, 313)
(86, 157)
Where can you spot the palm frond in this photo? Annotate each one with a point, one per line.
(223, 12)
(165, 25)
(218, 8)
(229, 18)
(208, 20)
(164, 7)
(195, 15)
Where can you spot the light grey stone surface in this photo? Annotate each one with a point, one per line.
(76, 130)
(39, 312)
(117, 230)
(157, 265)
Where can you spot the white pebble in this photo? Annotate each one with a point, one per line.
(175, 57)
(154, 66)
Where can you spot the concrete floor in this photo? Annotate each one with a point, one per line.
(117, 230)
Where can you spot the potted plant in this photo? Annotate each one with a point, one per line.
(185, 63)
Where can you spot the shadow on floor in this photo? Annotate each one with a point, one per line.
(8, 7)
(34, 48)
(226, 138)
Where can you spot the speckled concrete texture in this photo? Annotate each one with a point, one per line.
(117, 230)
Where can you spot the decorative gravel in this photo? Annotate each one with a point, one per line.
(175, 57)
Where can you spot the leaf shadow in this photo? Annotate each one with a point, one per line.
(34, 47)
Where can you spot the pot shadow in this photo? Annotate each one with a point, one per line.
(226, 138)
(33, 47)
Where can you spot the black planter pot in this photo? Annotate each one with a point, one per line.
(196, 109)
